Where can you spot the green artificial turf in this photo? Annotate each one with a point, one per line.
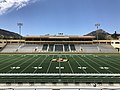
(89, 63)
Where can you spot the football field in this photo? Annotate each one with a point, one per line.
(60, 67)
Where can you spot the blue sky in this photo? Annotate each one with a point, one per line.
(71, 17)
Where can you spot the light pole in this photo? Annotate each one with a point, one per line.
(20, 26)
(97, 26)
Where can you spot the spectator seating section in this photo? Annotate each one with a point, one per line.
(89, 48)
(104, 48)
(2, 45)
(10, 48)
(29, 48)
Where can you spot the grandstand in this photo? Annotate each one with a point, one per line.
(80, 44)
(83, 48)
(60, 60)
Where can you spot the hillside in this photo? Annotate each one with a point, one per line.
(5, 34)
(102, 34)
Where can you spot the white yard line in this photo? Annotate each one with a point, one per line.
(4, 58)
(7, 60)
(109, 64)
(29, 64)
(21, 63)
(40, 63)
(78, 63)
(11, 63)
(111, 60)
(69, 65)
(57, 74)
(49, 65)
(117, 59)
(59, 68)
(99, 65)
(88, 64)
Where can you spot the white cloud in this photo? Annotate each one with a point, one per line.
(7, 5)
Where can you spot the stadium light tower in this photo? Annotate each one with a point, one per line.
(97, 26)
(19, 24)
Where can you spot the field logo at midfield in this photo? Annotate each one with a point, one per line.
(59, 60)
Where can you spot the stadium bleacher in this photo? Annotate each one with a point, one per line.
(106, 48)
(84, 44)
(10, 48)
(2, 45)
(89, 48)
(93, 48)
(28, 48)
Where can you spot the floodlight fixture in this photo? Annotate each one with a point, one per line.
(19, 24)
(97, 26)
